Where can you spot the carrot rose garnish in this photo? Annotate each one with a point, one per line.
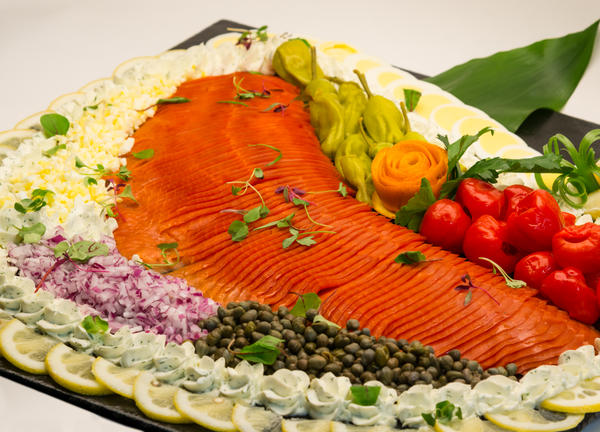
(397, 171)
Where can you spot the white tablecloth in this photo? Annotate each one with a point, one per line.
(48, 48)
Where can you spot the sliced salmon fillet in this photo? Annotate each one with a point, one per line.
(183, 190)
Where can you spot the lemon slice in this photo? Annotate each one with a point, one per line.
(209, 410)
(73, 371)
(255, 419)
(25, 348)
(343, 427)
(291, 425)
(471, 424)
(155, 399)
(581, 399)
(530, 420)
(119, 379)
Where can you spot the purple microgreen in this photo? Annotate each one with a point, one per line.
(411, 97)
(274, 161)
(413, 257)
(365, 395)
(469, 287)
(144, 154)
(233, 102)
(510, 282)
(248, 36)
(238, 230)
(127, 193)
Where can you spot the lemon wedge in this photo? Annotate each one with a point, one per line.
(344, 427)
(73, 371)
(155, 399)
(530, 420)
(291, 425)
(471, 424)
(255, 419)
(25, 348)
(119, 379)
(206, 409)
(581, 399)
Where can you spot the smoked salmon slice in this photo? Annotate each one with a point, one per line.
(184, 196)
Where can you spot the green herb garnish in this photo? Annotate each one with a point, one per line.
(99, 170)
(469, 286)
(274, 161)
(30, 234)
(578, 179)
(94, 325)
(81, 251)
(411, 214)
(444, 412)
(54, 124)
(127, 193)
(510, 282)
(52, 151)
(305, 302)
(264, 350)
(307, 238)
(90, 181)
(413, 257)
(281, 223)
(144, 154)
(233, 102)
(238, 230)
(165, 248)
(37, 201)
(172, 100)
(411, 97)
(365, 395)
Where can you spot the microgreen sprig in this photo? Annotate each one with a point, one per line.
(248, 36)
(308, 301)
(165, 248)
(52, 151)
(468, 286)
(30, 234)
(304, 239)
(444, 412)
(94, 325)
(166, 101)
(413, 258)
(510, 282)
(37, 201)
(99, 170)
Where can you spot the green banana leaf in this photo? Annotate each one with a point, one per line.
(510, 85)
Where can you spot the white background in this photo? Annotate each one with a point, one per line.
(52, 47)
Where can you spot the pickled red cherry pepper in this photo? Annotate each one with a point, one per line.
(578, 246)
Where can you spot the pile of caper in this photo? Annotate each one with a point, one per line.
(317, 348)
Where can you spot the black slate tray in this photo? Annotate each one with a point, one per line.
(535, 131)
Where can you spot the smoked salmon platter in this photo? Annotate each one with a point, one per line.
(242, 236)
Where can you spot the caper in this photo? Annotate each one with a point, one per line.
(402, 388)
(416, 348)
(382, 355)
(241, 342)
(224, 343)
(367, 376)
(426, 377)
(294, 346)
(231, 305)
(446, 362)
(397, 374)
(302, 364)
(467, 375)
(291, 359)
(386, 375)
(511, 369)
(211, 323)
(276, 325)
(338, 353)
(227, 331)
(367, 357)
(365, 342)
(263, 327)
(455, 354)
(408, 367)
(392, 363)
(298, 325)
(502, 371)
(310, 347)
(257, 336)
(341, 340)
(316, 362)
(392, 347)
(286, 323)
(352, 348)
(409, 358)
(249, 328)
(366, 331)
(322, 340)
(282, 311)
(472, 365)
(332, 331)
(413, 377)
(311, 314)
(246, 305)
(278, 365)
(401, 343)
(222, 312)
(249, 315)
(216, 333)
(357, 369)
(454, 375)
(352, 325)
(457, 366)
(492, 371)
(324, 351)
(239, 332)
(265, 315)
(320, 326)
(433, 372)
(288, 334)
(335, 368)
(276, 334)
(347, 360)
(201, 347)
(230, 321)
(310, 334)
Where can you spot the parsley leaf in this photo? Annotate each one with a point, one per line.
(263, 350)
(305, 302)
(238, 230)
(458, 148)
(54, 124)
(144, 154)
(365, 395)
(411, 214)
(94, 325)
(255, 214)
